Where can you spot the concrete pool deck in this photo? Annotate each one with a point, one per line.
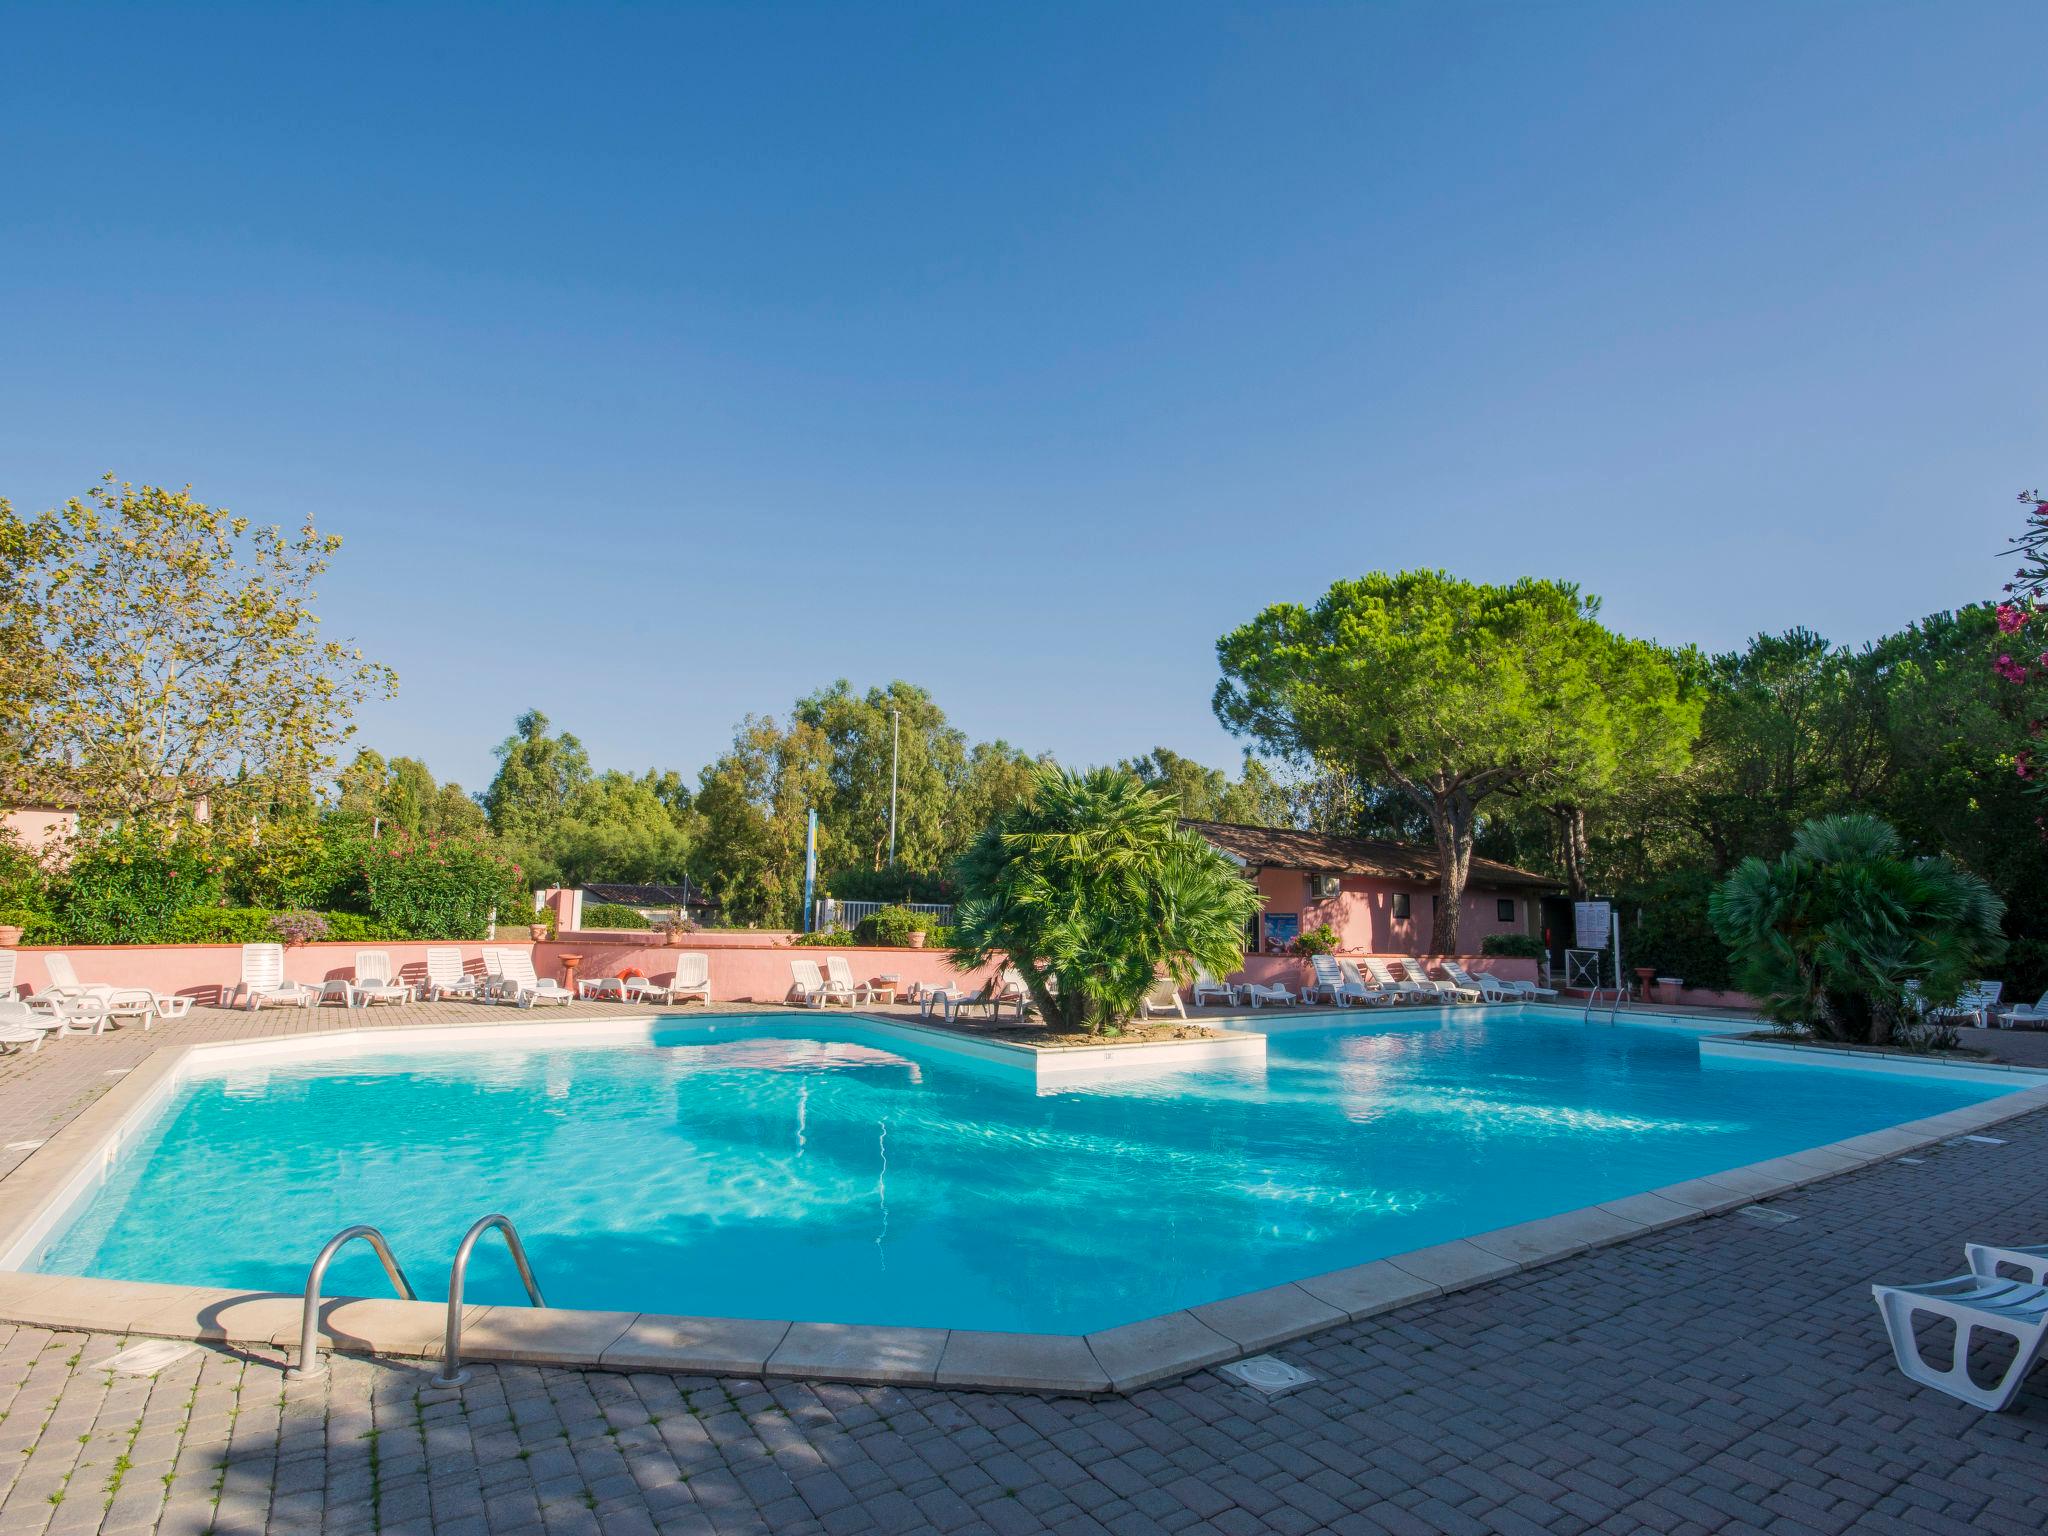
(1725, 1375)
(1115, 1360)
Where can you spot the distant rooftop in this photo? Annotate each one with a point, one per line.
(683, 895)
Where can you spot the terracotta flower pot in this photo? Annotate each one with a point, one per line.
(917, 940)
(10, 936)
(676, 938)
(539, 931)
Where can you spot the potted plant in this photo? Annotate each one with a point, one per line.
(676, 927)
(917, 938)
(10, 934)
(300, 927)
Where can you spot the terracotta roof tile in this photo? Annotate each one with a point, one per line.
(1322, 853)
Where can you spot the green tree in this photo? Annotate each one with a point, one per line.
(1447, 692)
(618, 827)
(862, 737)
(1646, 726)
(537, 776)
(749, 856)
(1203, 793)
(161, 652)
(1092, 892)
(1827, 936)
(401, 793)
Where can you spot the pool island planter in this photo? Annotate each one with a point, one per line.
(37, 1197)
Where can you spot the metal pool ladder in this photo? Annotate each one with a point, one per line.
(452, 1373)
(310, 1364)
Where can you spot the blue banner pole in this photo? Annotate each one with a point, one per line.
(810, 867)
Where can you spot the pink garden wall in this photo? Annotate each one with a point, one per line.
(206, 972)
(745, 967)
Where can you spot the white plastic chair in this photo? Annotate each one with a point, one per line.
(1207, 987)
(1973, 1304)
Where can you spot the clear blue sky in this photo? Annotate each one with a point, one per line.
(661, 363)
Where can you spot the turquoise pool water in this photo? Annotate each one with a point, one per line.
(816, 1168)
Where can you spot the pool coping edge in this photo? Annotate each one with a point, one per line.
(1116, 1360)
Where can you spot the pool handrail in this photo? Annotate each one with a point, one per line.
(310, 1365)
(452, 1373)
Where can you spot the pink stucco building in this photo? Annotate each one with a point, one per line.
(1379, 896)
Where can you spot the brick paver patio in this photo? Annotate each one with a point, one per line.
(1727, 1375)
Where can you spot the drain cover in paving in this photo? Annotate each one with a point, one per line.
(1268, 1374)
(146, 1359)
(1765, 1213)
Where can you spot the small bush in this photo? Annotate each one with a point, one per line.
(130, 886)
(1320, 940)
(441, 888)
(612, 914)
(223, 925)
(260, 925)
(1512, 946)
(892, 927)
(824, 937)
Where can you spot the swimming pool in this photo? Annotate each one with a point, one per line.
(827, 1169)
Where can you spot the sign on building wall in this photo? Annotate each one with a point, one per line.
(1282, 929)
(1592, 922)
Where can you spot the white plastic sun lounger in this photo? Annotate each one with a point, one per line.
(523, 986)
(1359, 990)
(1207, 988)
(22, 1025)
(446, 976)
(1455, 984)
(1385, 981)
(692, 979)
(839, 978)
(812, 989)
(64, 982)
(1164, 998)
(1260, 993)
(263, 983)
(2024, 1014)
(376, 981)
(1979, 1002)
(1973, 1304)
(1528, 989)
(1485, 985)
(1986, 1259)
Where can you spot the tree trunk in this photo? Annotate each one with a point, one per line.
(1452, 823)
(1576, 851)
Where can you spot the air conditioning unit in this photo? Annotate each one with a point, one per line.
(1325, 887)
